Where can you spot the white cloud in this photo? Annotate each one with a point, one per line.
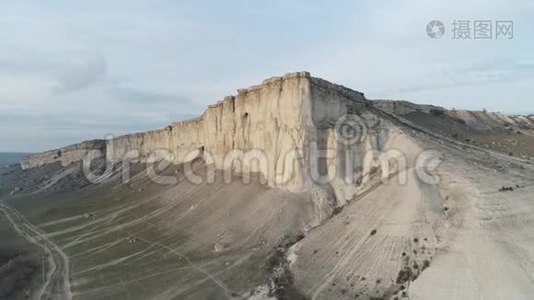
(81, 74)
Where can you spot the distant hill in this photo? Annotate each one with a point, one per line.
(509, 134)
(8, 158)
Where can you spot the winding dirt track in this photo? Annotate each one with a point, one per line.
(56, 284)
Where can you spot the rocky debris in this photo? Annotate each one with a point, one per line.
(506, 189)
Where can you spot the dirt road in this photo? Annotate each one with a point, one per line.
(56, 283)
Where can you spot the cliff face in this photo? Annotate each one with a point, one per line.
(286, 129)
(65, 155)
(274, 128)
(256, 131)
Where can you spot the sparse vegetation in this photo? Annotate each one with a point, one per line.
(437, 112)
(337, 210)
(281, 281)
(404, 275)
(426, 264)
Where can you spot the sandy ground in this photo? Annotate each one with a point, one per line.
(490, 254)
(361, 251)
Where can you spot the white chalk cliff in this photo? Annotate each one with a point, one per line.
(284, 128)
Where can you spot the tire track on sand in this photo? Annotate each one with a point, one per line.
(57, 259)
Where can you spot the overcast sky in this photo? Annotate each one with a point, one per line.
(76, 70)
